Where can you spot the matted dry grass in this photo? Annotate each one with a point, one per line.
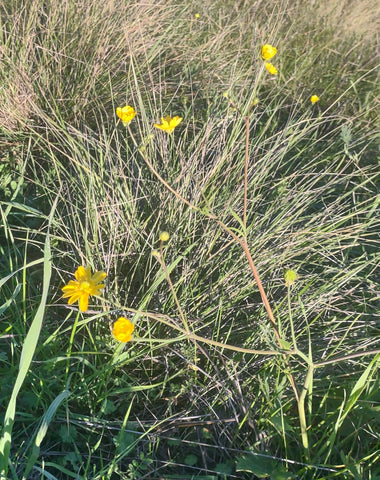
(358, 17)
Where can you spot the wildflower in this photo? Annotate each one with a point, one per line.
(290, 277)
(255, 102)
(197, 15)
(126, 114)
(123, 329)
(268, 52)
(155, 253)
(314, 98)
(271, 68)
(168, 123)
(84, 286)
(164, 236)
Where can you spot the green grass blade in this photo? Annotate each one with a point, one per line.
(45, 422)
(360, 385)
(30, 264)
(27, 353)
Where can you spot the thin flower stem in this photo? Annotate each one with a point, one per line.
(240, 241)
(170, 323)
(226, 346)
(301, 408)
(237, 349)
(347, 357)
(246, 160)
(167, 185)
(73, 331)
(167, 275)
(291, 321)
(243, 243)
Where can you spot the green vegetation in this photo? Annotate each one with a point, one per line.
(255, 348)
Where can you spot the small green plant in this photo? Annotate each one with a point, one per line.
(11, 176)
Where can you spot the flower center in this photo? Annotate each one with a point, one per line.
(85, 286)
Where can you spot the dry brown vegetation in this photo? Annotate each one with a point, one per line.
(352, 17)
(61, 59)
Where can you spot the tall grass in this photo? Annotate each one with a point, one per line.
(192, 396)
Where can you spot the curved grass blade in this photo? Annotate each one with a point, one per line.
(27, 353)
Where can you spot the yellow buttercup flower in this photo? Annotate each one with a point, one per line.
(268, 52)
(168, 123)
(271, 68)
(314, 98)
(126, 114)
(83, 287)
(290, 277)
(197, 15)
(123, 329)
(164, 236)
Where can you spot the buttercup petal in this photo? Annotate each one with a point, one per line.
(76, 296)
(82, 273)
(98, 277)
(83, 302)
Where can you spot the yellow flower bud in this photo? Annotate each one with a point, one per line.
(290, 277)
(164, 236)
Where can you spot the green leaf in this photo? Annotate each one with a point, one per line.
(224, 468)
(174, 442)
(126, 442)
(285, 344)
(259, 465)
(191, 460)
(280, 473)
(68, 433)
(239, 220)
(280, 422)
(108, 407)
